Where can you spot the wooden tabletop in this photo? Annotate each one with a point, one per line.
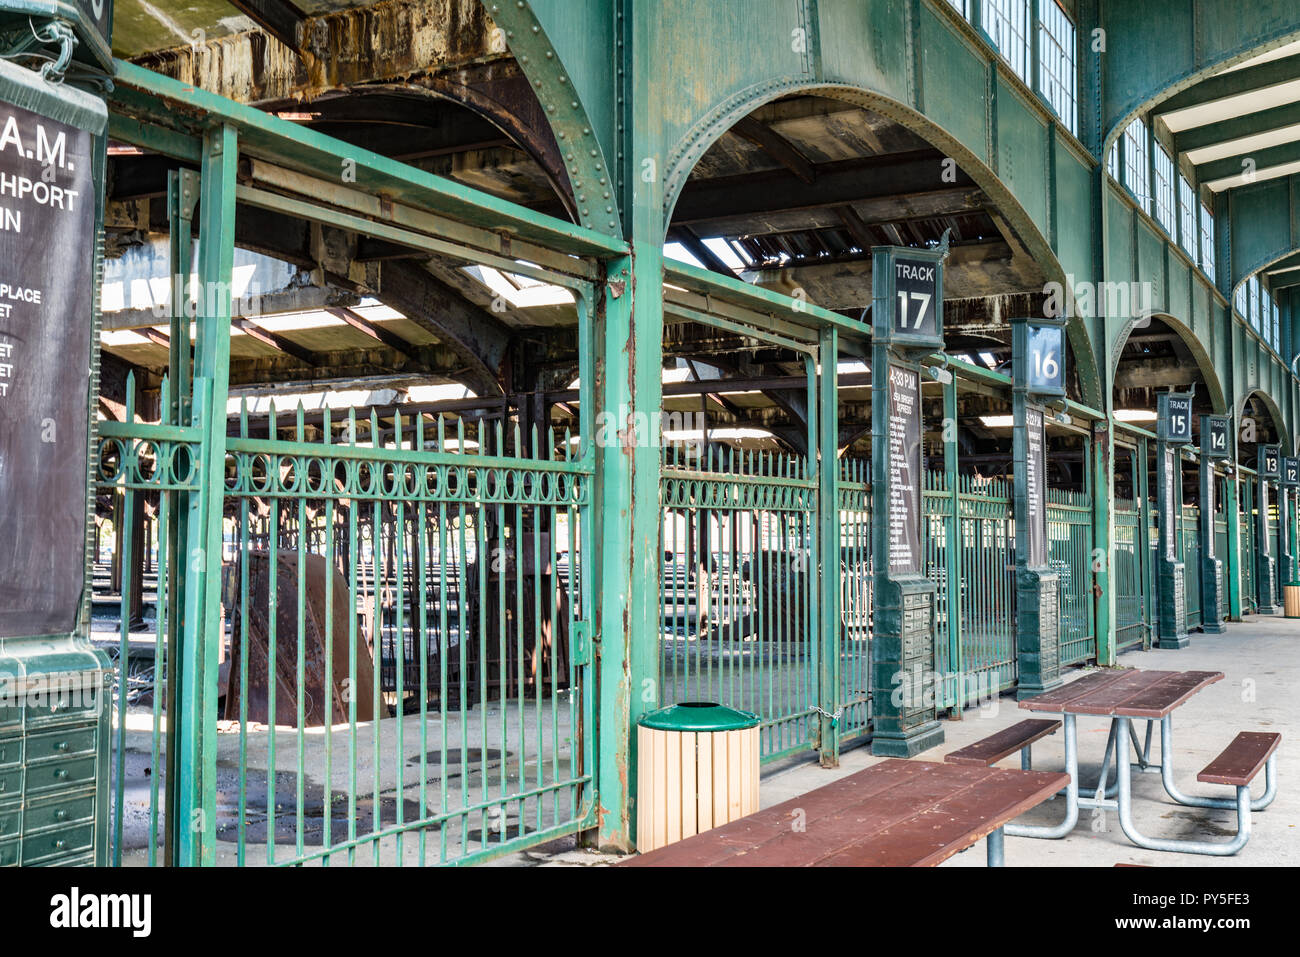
(1132, 693)
(893, 814)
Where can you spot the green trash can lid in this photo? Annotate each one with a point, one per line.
(698, 716)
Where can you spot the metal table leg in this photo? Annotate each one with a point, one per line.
(996, 843)
(1190, 800)
(1164, 844)
(1071, 794)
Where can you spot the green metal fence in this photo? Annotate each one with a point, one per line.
(986, 542)
(407, 643)
(936, 532)
(737, 590)
(1069, 533)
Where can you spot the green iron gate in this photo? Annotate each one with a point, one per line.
(738, 596)
(1069, 533)
(986, 542)
(1128, 577)
(854, 494)
(1246, 518)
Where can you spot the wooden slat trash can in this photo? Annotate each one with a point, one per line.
(697, 768)
(1291, 599)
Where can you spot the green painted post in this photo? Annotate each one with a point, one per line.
(1174, 428)
(1269, 467)
(1215, 430)
(1038, 369)
(1103, 537)
(828, 515)
(182, 199)
(1232, 515)
(202, 626)
(907, 322)
(1141, 484)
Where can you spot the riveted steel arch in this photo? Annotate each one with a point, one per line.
(591, 177)
(1274, 411)
(1204, 361)
(1142, 40)
(684, 156)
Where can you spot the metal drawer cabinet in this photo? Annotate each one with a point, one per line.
(49, 846)
(11, 751)
(11, 784)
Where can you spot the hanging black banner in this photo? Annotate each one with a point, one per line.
(47, 216)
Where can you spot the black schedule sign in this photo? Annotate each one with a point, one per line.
(904, 471)
(1035, 476)
(47, 209)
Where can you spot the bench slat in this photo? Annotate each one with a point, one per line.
(990, 750)
(1241, 760)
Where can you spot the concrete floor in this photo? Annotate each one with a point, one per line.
(1261, 666)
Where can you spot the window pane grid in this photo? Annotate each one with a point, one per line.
(1135, 162)
(1006, 22)
(1056, 73)
(1187, 215)
(1207, 242)
(1164, 189)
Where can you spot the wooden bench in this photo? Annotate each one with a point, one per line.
(1242, 760)
(893, 814)
(989, 751)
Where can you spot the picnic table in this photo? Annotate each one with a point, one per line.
(893, 814)
(1126, 696)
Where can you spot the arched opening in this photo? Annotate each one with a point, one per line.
(792, 197)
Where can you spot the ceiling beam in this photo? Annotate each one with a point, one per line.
(1239, 127)
(280, 18)
(776, 146)
(846, 181)
(1263, 159)
(377, 332)
(700, 250)
(276, 341)
(481, 338)
(1225, 85)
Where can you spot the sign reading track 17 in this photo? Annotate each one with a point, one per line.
(916, 292)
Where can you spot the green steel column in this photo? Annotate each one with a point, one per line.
(1037, 595)
(182, 198)
(202, 627)
(1103, 535)
(828, 516)
(628, 517)
(1265, 570)
(1210, 574)
(1232, 515)
(1142, 485)
(1171, 610)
